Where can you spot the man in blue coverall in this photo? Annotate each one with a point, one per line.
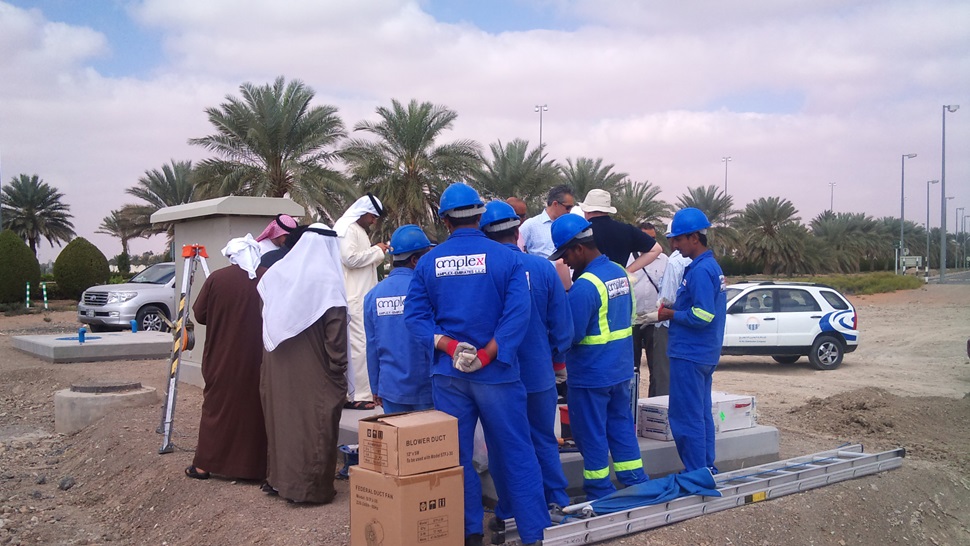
(598, 363)
(696, 334)
(398, 365)
(470, 296)
(541, 356)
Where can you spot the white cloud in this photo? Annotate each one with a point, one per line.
(648, 87)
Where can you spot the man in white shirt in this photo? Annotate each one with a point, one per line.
(536, 232)
(360, 260)
(646, 288)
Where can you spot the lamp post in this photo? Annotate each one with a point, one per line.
(902, 210)
(725, 160)
(943, 229)
(965, 216)
(926, 278)
(541, 108)
(831, 196)
(946, 108)
(956, 228)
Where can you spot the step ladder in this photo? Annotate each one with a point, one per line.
(739, 487)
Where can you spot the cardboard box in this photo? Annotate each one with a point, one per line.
(652, 419)
(733, 411)
(730, 411)
(419, 510)
(402, 444)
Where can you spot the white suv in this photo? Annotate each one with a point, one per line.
(788, 321)
(148, 298)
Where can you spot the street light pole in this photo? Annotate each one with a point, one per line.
(956, 228)
(946, 108)
(541, 108)
(902, 211)
(725, 159)
(926, 278)
(831, 196)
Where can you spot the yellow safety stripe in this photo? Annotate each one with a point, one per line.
(620, 466)
(597, 474)
(605, 336)
(702, 314)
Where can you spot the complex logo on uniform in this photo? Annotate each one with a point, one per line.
(451, 266)
(432, 504)
(723, 284)
(617, 287)
(393, 305)
(753, 323)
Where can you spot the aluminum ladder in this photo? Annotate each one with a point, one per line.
(739, 487)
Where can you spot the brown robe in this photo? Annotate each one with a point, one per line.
(303, 390)
(232, 440)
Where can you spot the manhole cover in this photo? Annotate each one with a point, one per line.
(98, 387)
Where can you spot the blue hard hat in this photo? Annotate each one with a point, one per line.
(687, 220)
(460, 200)
(407, 239)
(567, 229)
(498, 216)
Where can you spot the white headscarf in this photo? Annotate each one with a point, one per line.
(362, 206)
(244, 252)
(302, 286)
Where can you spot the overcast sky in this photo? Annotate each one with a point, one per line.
(799, 94)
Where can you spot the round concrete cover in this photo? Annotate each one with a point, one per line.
(103, 386)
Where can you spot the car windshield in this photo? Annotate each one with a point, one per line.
(731, 293)
(156, 274)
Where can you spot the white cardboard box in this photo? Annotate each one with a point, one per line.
(730, 411)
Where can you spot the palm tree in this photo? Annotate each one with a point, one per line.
(772, 234)
(848, 239)
(273, 143)
(33, 210)
(587, 174)
(516, 171)
(719, 209)
(120, 225)
(637, 202)
(170, 186)
(405, 167)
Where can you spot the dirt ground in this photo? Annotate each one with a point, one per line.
(907, 385)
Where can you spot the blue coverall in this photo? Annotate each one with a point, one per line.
(549, 335)
(599, 369)
(398, 364)
(473, 289)
(694, 347)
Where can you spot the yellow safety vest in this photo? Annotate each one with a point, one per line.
(606, 335)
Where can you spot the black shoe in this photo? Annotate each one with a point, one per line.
(474, 540)
(497, 527)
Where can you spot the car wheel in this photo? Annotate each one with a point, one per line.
(786, 359)
(151, 319)
(827, 353)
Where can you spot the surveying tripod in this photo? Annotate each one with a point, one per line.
(184, 338)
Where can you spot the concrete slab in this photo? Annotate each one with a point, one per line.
(735, 449)
(65, 348)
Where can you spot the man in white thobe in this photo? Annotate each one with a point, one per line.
(360, 260)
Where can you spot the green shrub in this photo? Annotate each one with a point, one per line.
(78, 267)
(18, 267)
(124, 264)
(868, 283)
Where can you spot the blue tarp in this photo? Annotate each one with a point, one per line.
(668, 488)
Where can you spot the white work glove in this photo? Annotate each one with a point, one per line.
(560, 376)
(652, 318)
(465, 355)
(468, 365)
